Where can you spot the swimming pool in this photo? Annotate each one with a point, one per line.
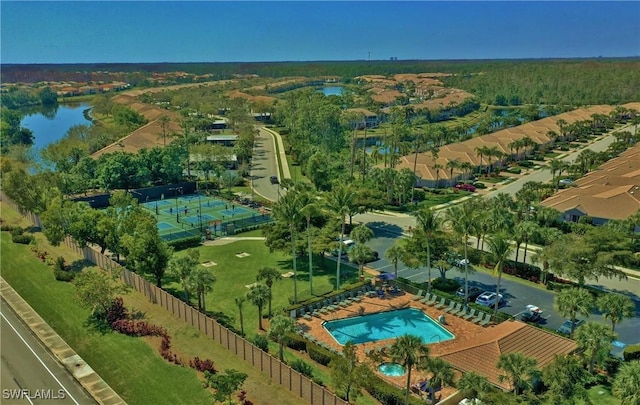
(387, 325)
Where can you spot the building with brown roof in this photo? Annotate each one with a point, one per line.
(540, 132)
(610, 192)
(481, 354)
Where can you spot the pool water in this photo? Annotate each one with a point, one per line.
(387, 325)
(392, 369)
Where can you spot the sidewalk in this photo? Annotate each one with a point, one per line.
(89, 379)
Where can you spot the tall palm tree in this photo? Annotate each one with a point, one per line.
(279, 327)
(428, 222)
(473, 385)
(259, 295)
(481, 151)
(615, 307)
(462, 219)
(573, 301)
(452, 165)
(500, 246)
(409, 351)
(269, 275)
(626, 383)
(164, 123)
(395, 254)
(339, 201)
(443, 375)
(309, 209)
(288, 210)
(240, 303)
(594, 339)
(519, 371)
(202, 280)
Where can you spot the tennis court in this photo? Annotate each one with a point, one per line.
(201, 215)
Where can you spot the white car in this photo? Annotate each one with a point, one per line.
(488, 299)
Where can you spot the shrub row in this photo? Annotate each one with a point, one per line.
(319, 354)
(631, 352)
(185, 243)
(296, 342)
(302, 367)
(314, 299)
(388, 394)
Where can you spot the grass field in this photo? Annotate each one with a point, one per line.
(234, 274)
(131, 366)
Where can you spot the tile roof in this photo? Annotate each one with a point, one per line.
(538, 131)
(610, 192)
(481, 354)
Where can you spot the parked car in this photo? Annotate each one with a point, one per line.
(274, 179)
(474, 292)
(566, 182)
(531, 314)
(462, 262)
(565, 328)
(490, 299)
(346, 245)
(465, 187)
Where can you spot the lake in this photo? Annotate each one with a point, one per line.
(49, 126)
(332, 90)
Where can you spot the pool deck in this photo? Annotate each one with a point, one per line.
(463, 330)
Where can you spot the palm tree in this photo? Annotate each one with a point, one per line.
(527, 229)
(395, 254)
(565, 377)
(594, 339)
(573, 301)
(269, 275)
(164, 123)
(626, 383)
(202, 280)
(473, 385)
(452, 165)
(615, 307)
(467, 168)
(309, 209)
(501, 248)
(339, 201)
(359, 254)
(279, 327)
(409, 351)
(428, 222)
(239, 303)
(519, 370)
(462, 219)
(556, 166)
(443, 375)
(481, 151)
(288, 210)
(259, 295)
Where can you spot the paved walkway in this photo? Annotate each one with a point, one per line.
(80, 370)
(230, 239)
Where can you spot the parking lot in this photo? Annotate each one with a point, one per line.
(517, 294)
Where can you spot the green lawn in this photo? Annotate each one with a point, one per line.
(124, 362)
(437, 199)
(234, 274)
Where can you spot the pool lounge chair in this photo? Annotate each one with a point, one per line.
(461, 312)
(417, 296)
(470, 315)
(453, 307)
(485, 321)
(432, 300)
(380, 293)
(441, 303)
(479, 317)
(426, 298)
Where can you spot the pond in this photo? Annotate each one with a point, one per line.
(49, 125)
(332, 90)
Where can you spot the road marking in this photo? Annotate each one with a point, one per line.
(39, 359)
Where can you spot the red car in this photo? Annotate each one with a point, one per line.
(465, 187)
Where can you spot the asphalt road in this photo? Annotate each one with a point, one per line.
(264, 166)
(28, 372)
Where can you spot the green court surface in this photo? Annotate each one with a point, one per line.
(198, 215)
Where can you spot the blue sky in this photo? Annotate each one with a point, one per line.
(213, 31)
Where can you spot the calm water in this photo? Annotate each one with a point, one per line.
(332, 90)
(51, 125)
(387, 325)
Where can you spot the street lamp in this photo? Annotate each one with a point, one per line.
(200, 213)
(176, 195)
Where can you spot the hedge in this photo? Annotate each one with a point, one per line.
(296, 342)
(631, 352)
(388, 394)
(319, 354)
(22, 239)
(185, 243)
